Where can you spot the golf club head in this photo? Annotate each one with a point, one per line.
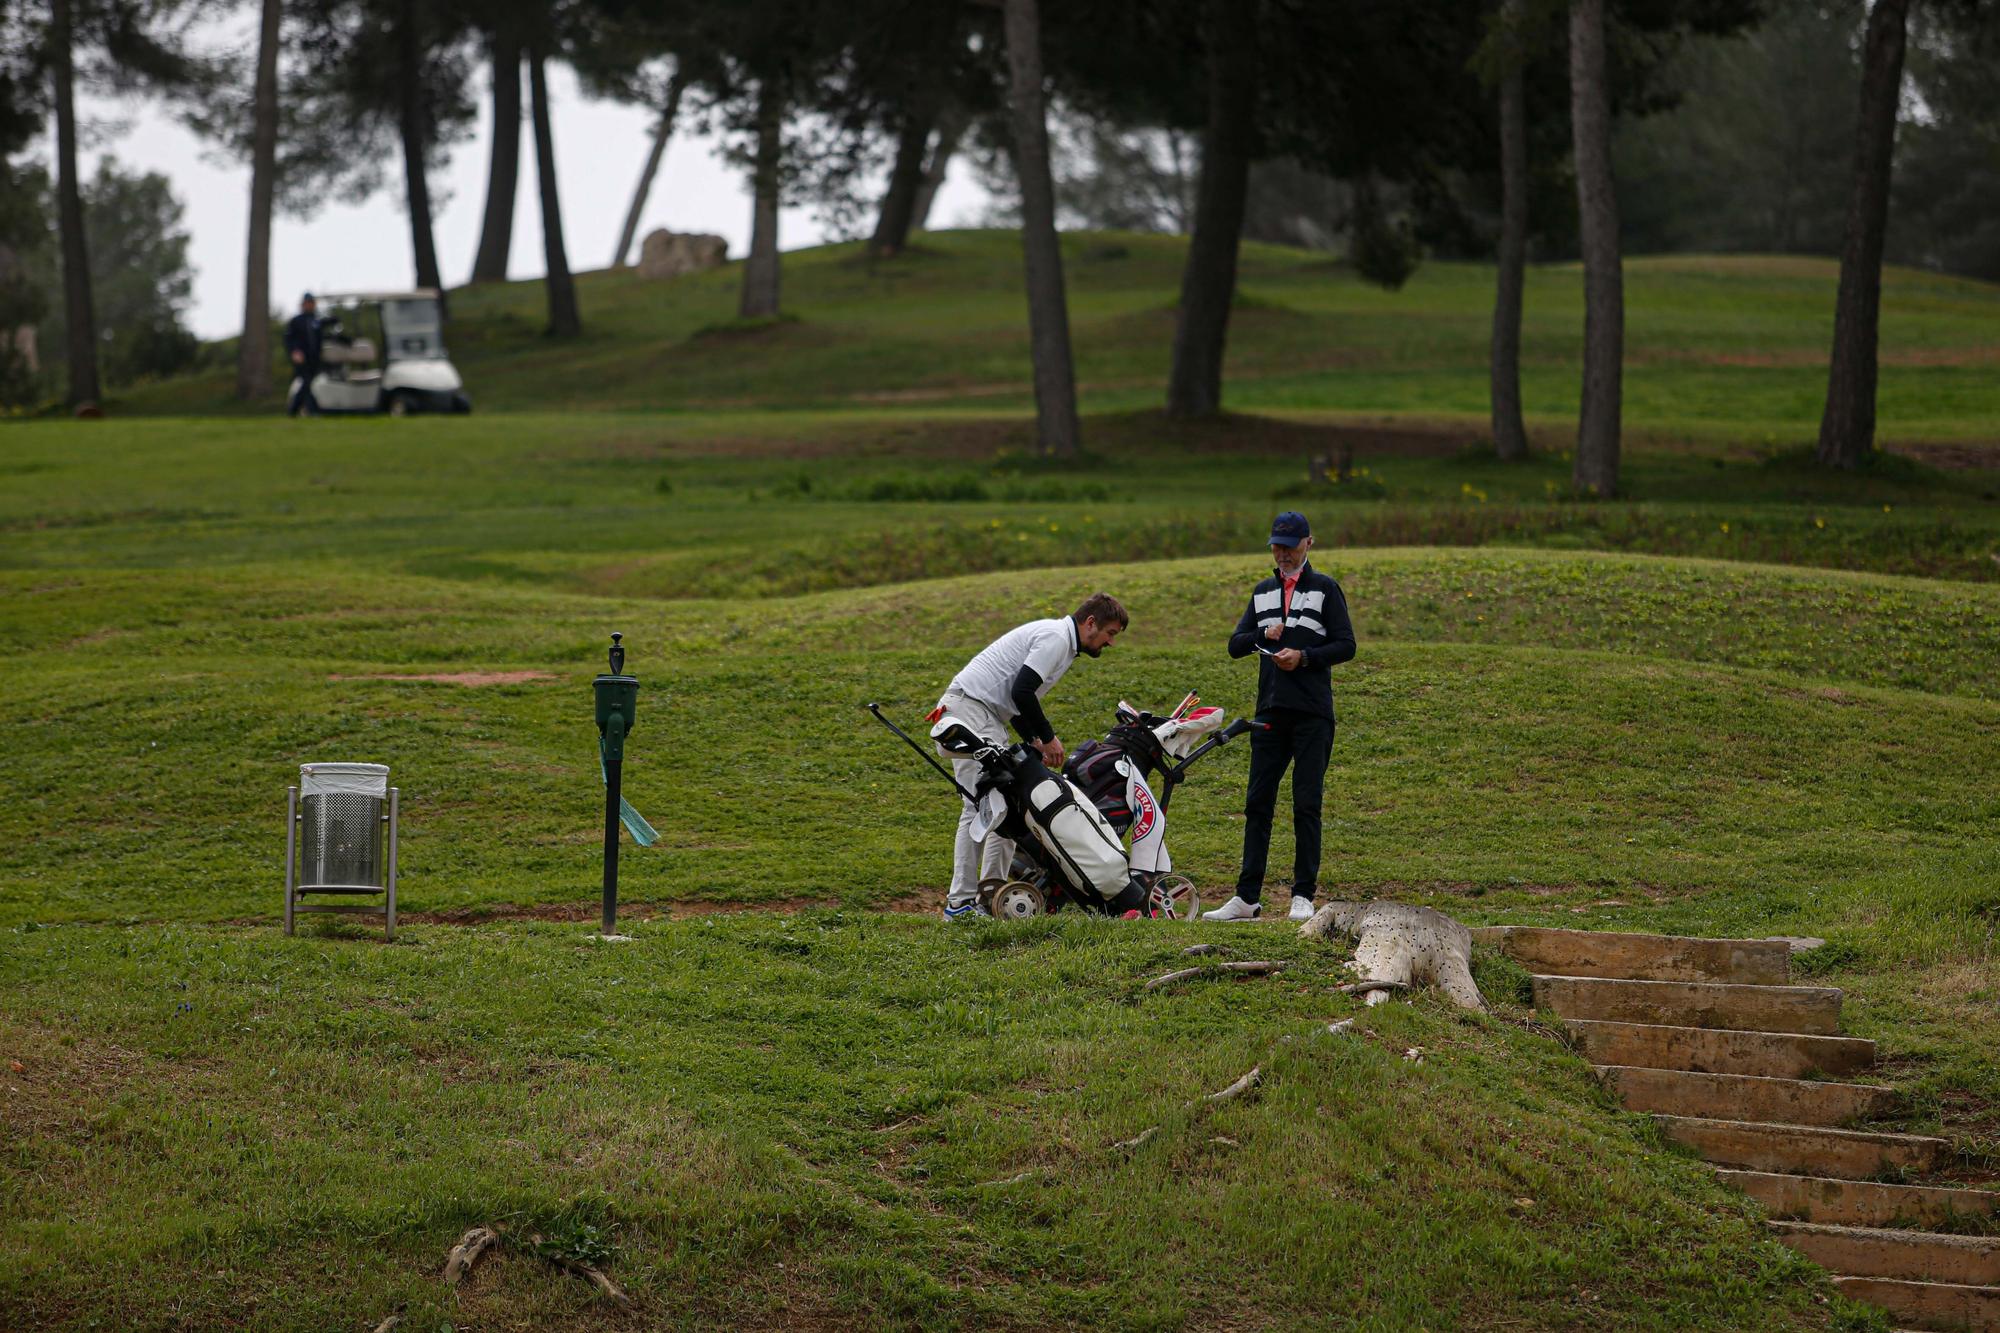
(954, 737)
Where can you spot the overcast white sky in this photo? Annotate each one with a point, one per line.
(600, 147)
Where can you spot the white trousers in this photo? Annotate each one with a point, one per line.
(971, 859)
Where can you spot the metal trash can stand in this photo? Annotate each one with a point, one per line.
(341, 823)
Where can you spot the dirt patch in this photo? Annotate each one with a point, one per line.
(958, 439)
(1283, 436)
(469, 679)
(589, 910)
(1402, 891)
(938, 393)
(1950, 457)
(48, 1079)
(1793, 358)
(1113, 438)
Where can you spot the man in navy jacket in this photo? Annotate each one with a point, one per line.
(1297, 624)
(303, 340)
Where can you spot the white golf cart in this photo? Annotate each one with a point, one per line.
(415, 374)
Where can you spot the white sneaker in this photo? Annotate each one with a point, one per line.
(1234, 910)
(1302, 908)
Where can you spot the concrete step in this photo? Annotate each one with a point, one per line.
(1918, 1256)
(1798, 1149)
(1931, 1305)
(1718, 1050)
(1790, 1101)
(1859, 1203)
(1603, 953)
(1694, 1004)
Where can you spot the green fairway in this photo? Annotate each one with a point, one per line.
(1748, 699)
(705, 505)
(1552, 737)
(1716, 347)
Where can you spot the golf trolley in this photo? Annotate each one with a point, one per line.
(1068, 828)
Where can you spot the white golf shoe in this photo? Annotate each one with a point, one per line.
(1302, 908)
(1234, 910)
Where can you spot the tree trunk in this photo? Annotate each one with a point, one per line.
(951, 128)
(1056, 427)
(564, 321)
(496, 230)
(253, 350)
(1847, 429)
(1208, 282)
(79, 318)
(1596, 470)
(410, 120)
(1510, 435)
(906, 177)
(761, 269)
(661, 133)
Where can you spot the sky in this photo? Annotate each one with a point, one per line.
(600, 148)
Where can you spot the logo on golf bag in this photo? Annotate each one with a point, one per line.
(1143, 812)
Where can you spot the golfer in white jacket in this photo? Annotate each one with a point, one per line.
(1005, 683)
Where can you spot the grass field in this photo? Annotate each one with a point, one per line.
(1730, 348)
(1749, 700)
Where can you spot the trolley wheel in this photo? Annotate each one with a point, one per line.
(1017, 900)
(1175, 896)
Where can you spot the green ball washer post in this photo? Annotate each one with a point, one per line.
(617, 711)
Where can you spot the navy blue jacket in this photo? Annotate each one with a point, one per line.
(302, 334)
(1317, 626)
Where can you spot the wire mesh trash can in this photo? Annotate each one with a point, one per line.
(340, 841)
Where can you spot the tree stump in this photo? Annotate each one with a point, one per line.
(1402, 947)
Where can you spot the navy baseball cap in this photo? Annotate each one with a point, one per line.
(1290, 528)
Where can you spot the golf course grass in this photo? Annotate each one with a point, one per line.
(1750, 699)
(1717, 348)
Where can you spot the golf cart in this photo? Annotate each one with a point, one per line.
(415, 375)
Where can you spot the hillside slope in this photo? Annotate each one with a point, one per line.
(1731, 346)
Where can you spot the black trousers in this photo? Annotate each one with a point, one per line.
(302, 399)
(1303, 742)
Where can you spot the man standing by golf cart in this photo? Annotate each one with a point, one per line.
(303, 341)
(1005, 684)
(1297, 625)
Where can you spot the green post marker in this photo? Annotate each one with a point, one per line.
(617, 709)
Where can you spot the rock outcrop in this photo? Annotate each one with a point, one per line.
(668, 254)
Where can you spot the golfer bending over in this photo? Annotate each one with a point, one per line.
(1005, 683)
(1297, 623)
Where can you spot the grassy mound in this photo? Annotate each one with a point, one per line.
(827, 1120)
(1523, 724)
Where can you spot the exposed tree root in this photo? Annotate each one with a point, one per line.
(476, 1242)
(605, 1286)
(1362, 987)
(466, 1253)
(1239, 1087)
(1248, 969)
(1234, 1090)
(1016, 1179)
(1139, 1140)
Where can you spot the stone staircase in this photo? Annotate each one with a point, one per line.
(1747, 1070)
